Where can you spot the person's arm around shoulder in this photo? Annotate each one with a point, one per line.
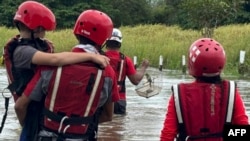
(65, 58)
(137, 77)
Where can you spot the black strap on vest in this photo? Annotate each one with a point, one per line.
(68, 121)
(91, 84)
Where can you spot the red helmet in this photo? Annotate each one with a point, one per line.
(34, 14)
(94, 25)
(206, 58)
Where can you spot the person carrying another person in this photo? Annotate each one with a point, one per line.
(76, 96)
(30, 48)
(124, 67)
(199, 110)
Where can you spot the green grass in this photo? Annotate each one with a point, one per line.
(151, 41)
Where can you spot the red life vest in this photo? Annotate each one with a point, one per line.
(119, 66)
(17, 86)
(73, 98)
(203, 109)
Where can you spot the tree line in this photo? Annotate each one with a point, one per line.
(203, 15)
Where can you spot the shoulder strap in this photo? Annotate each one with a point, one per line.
(121, 66)
(182, 130)
(231, 98)
(55, 88)
(177, 102)
(94, 90)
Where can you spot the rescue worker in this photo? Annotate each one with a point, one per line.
(123, 67)
(199, 110)
(74, 93)
(28, 49)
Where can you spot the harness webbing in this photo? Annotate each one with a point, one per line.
(70, 120)
(97, 82)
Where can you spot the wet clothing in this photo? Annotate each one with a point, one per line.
(122, 71)
(73, 95)
(203, 108)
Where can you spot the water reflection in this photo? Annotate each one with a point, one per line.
(144, 118)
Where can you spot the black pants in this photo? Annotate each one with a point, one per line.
(119, 109)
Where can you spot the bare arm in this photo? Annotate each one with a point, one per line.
(21, 108)
(136, 78)
(65, 58)
(107, 112)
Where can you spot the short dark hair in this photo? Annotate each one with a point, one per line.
(113, 44)
(215, 79)
(84, 40)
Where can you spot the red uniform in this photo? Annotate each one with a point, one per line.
(202, 109)
(128, 68)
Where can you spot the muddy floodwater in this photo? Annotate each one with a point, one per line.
(144, 118)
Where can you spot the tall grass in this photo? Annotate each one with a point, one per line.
(151, 41)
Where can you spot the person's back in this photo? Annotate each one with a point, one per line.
(75, 92)
(124, 67)
(199, 110)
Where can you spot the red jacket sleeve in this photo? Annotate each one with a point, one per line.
(239, 112)
(170, 127)
(130, 67)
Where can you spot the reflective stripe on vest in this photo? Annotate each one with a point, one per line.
(121, 70)
(98, 79)
(177, 103)
(55, 88)
(230, 101)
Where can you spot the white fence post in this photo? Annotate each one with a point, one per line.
(184, 64)
(135, 62)
(160, 63)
